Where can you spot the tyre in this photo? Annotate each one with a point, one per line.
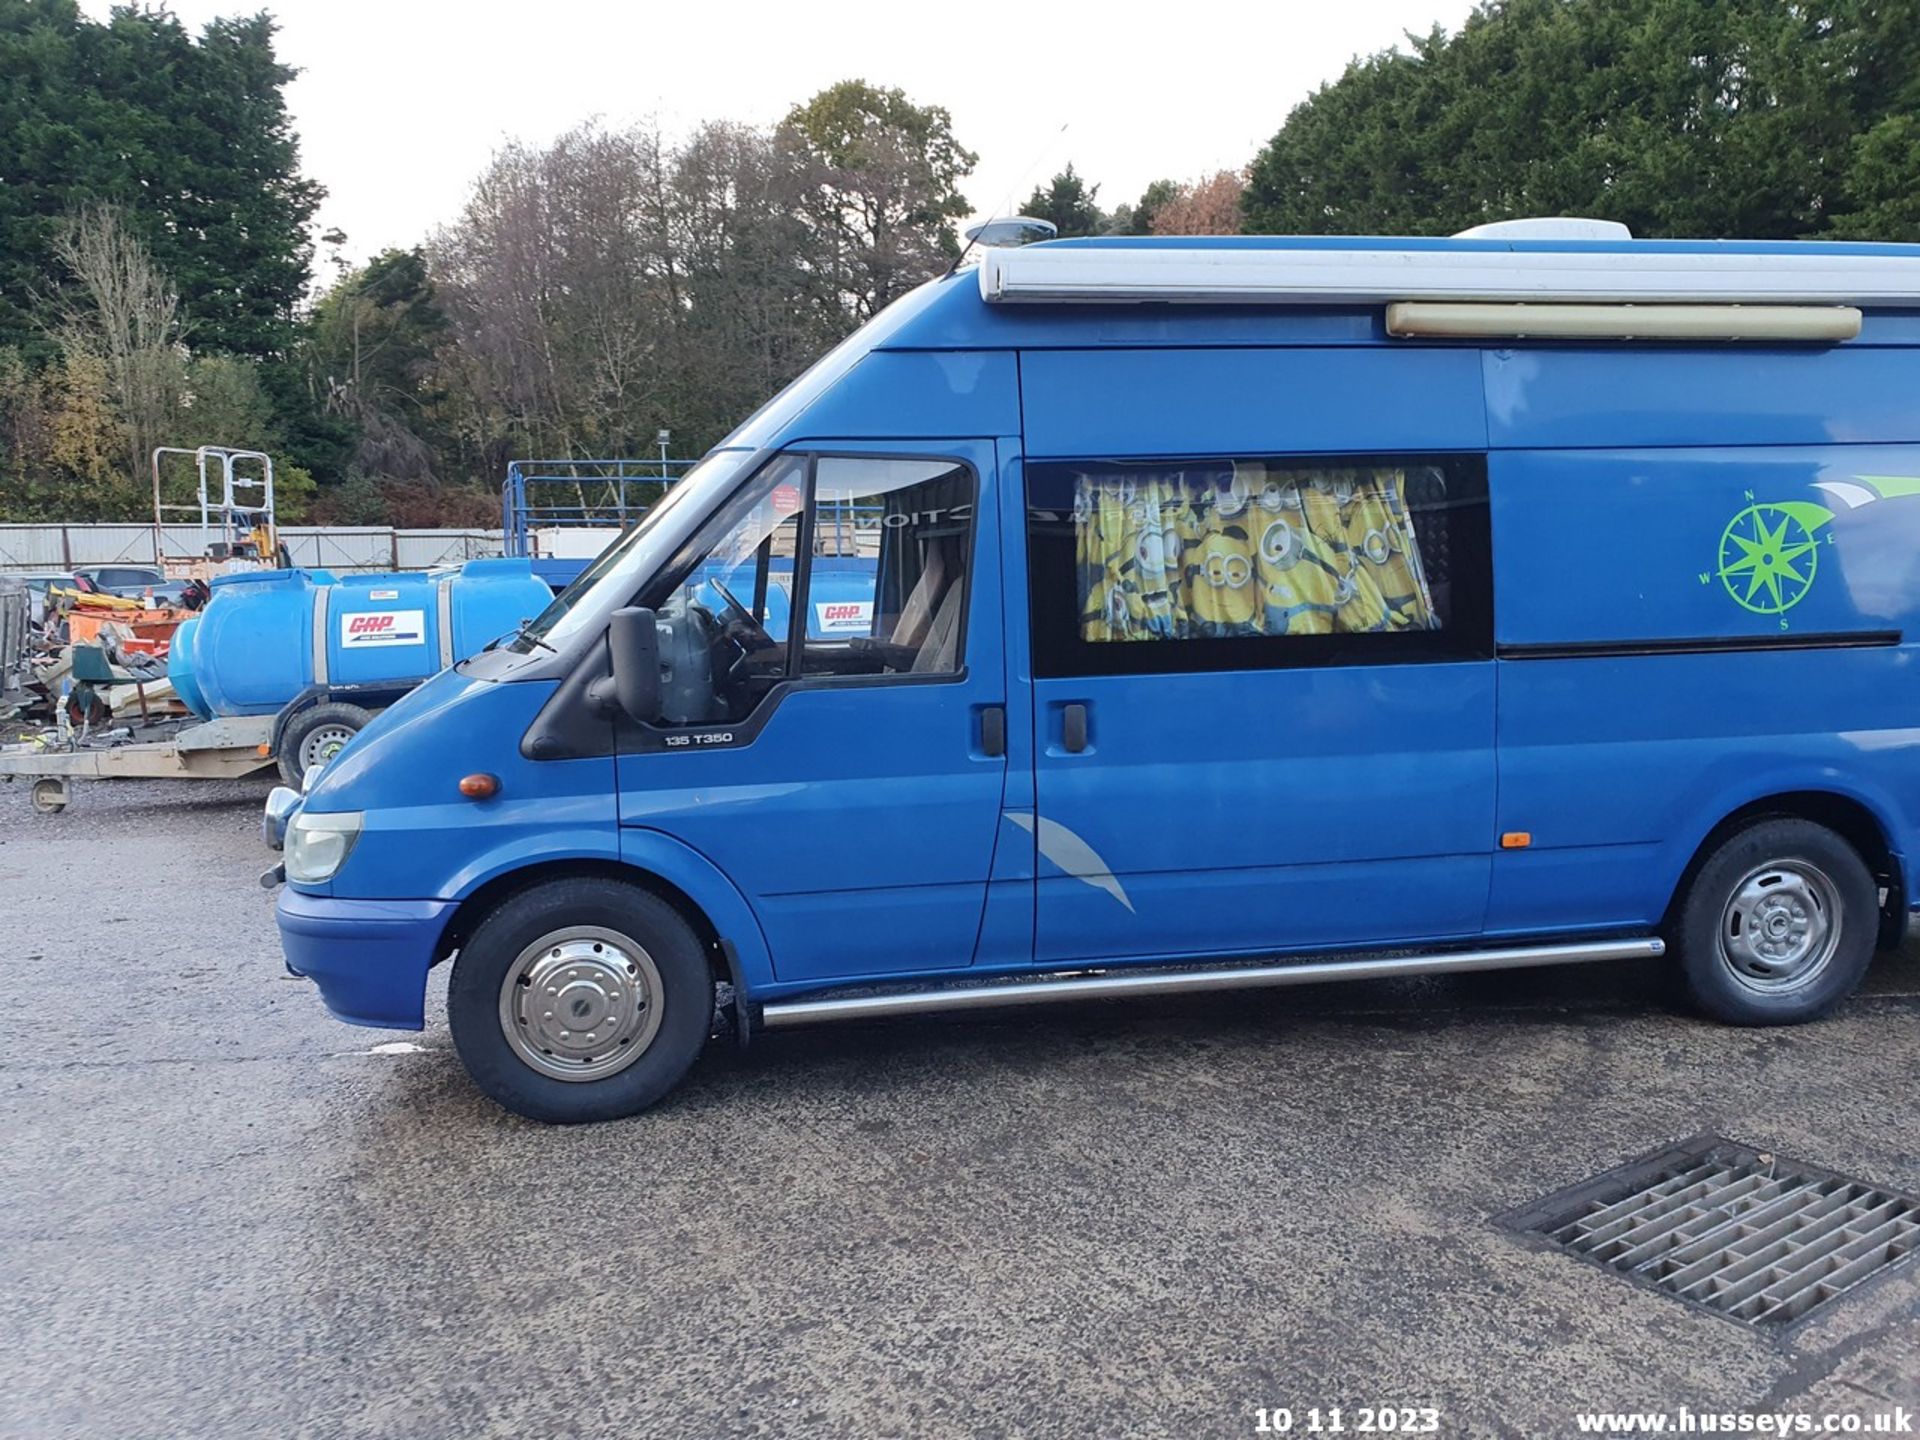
(580, 1000)
(1778, 924)
(313, 737)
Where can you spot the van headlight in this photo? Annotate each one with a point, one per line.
(317, 845)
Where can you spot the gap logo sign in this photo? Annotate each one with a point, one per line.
(372, 629)
(843, 617)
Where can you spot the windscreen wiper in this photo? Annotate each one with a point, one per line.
(525, 632)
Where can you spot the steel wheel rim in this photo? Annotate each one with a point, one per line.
(581, 1003)
(323, 744)
(1781, 927)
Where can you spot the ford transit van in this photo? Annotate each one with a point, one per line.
(1229, 612)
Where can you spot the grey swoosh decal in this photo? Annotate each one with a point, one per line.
(1072, 854)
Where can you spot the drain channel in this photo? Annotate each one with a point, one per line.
(1752, 1236)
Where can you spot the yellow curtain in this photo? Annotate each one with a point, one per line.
(1236, 548)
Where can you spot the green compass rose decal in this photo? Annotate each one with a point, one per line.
(1770, 551)
(1768, 555)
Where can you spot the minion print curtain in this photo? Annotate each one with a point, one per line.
(1235, 548)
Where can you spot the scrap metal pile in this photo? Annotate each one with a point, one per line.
(73, 674)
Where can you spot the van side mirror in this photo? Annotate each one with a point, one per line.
(633, 647)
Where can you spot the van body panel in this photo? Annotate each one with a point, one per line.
(861, 819)
(421, 838)
(1625, 545)
(913, 395)
(1260, 811)
(655, 853)
(1619, 762)
(1624, 396)
(1618, 796)
(1102, 404)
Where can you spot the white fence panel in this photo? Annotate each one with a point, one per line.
(339, 547)
(427, 549)
(110, 544)
(31, 547)
(329, 547)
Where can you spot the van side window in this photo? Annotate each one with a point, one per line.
(1257, 563)
(866, 557)
(723, 625)
(887, 588)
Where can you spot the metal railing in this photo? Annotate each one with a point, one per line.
(584, 494)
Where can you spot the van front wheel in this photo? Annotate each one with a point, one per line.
(580, 1000)
(1778, 926)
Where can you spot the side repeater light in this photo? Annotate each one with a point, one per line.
(480, 787)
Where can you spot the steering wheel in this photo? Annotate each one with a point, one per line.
(751, 628)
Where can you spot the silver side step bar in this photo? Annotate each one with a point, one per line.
(780, 1014)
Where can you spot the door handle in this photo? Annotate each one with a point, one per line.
(1073, 727)
(993, 730)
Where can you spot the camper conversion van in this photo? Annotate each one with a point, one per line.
(1230, 612)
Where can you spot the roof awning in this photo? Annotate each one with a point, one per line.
(1281, 275)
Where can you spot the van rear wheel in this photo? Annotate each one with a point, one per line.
(580, 1000)
(1778, 925)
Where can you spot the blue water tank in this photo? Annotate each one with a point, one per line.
(256, 644)
(180, 669)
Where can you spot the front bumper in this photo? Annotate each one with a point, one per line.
(369, 958)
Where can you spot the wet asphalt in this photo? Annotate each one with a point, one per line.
(224, 1214)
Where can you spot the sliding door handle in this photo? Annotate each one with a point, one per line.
(1073, 727)
(993, 730)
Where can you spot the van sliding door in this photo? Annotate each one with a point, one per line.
(1264, 692)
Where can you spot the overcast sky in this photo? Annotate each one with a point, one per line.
(400, 102)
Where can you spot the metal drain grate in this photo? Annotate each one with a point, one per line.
(1761, 1239)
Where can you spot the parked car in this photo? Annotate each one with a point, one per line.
(128, 580)
(136, 582)
(1248, 611)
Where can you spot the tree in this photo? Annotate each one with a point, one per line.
(62, 449)
(559, 294)
(1137, 218)
(1067, 201)
(757, 303)
(883, 179)
(120, 309)
(1678, 117)
(190, 140)
(1206, 207)
(370, 355)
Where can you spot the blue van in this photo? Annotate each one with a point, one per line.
(1231, 612)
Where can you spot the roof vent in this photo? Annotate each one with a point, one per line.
(1010, 230)
(1548, 227)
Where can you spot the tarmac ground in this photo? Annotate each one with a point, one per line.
(226, 1214)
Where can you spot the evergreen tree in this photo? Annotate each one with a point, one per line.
(1068, 201)
(1678, 117)
(191, 139)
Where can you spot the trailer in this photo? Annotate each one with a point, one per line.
(226, 749)
(303, 735)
